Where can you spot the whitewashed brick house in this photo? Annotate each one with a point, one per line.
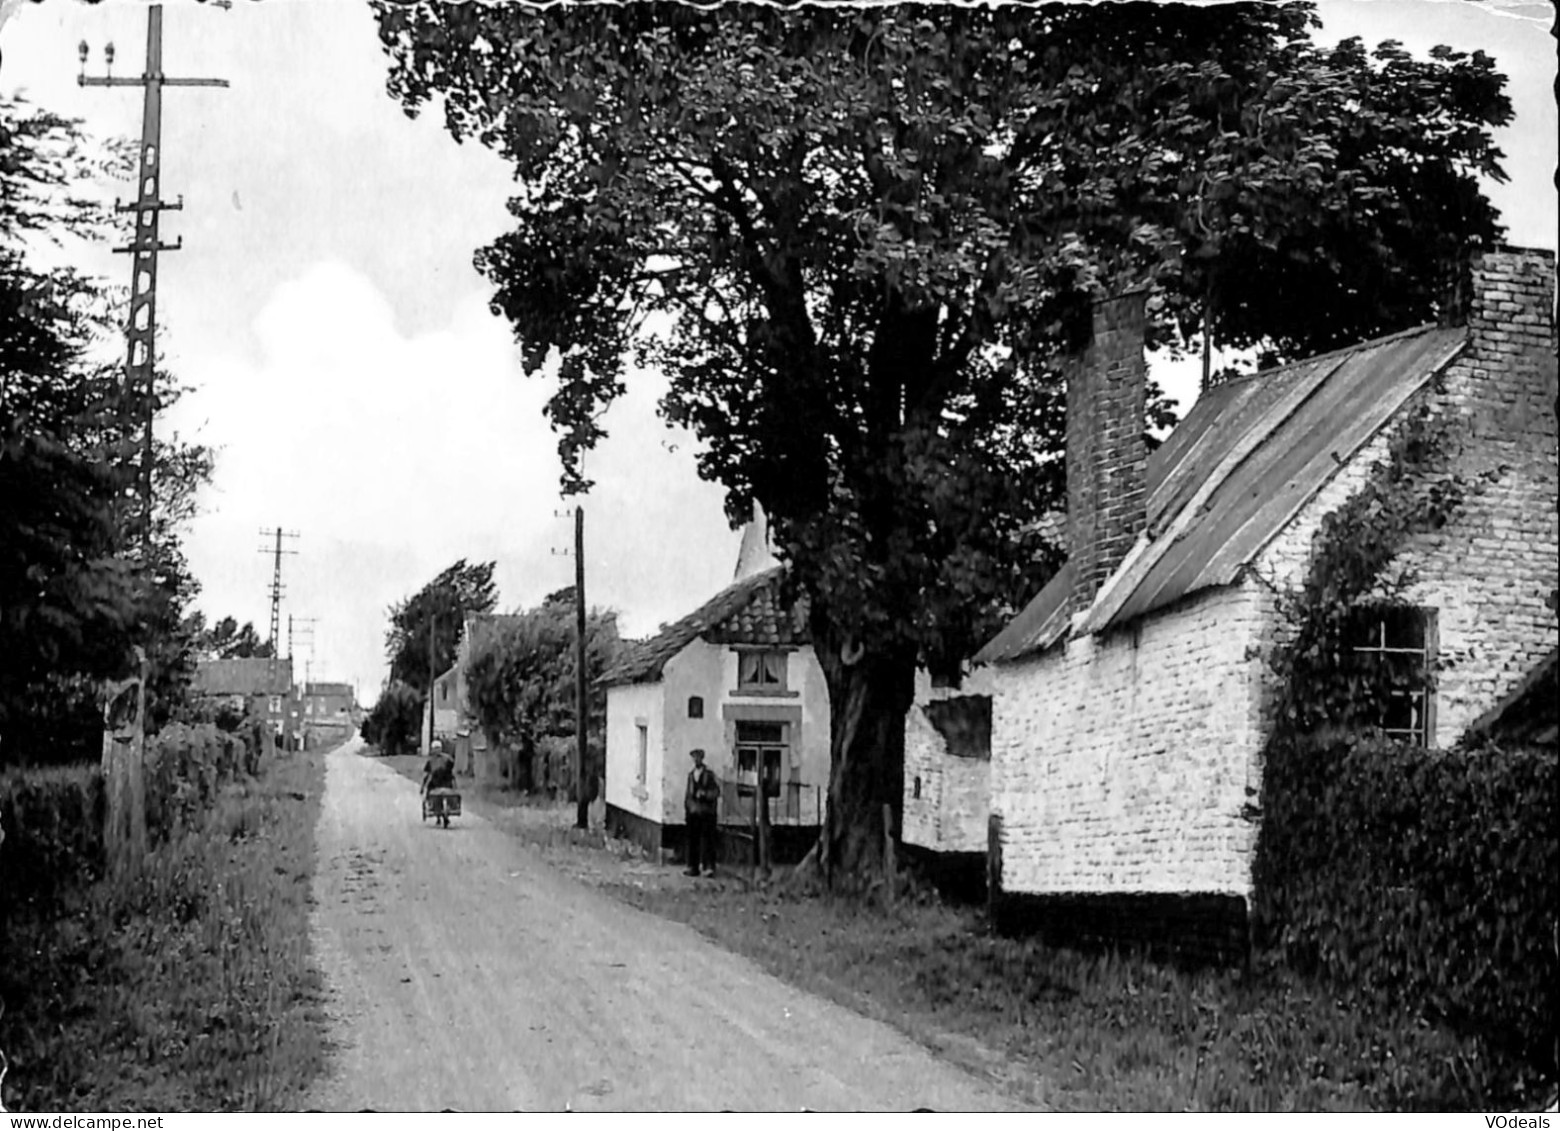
(1131, 698)
(738, 679)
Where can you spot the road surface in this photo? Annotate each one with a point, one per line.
(464, 972)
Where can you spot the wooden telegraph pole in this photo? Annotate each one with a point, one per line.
(581, 691)
(124, 738)
(433, 674)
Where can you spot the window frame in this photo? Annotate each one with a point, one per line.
(780, 685)
(1377, 616)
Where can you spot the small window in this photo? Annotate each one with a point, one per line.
(644, 751)
(1394, 646)
(917, 792)
(695, 707)
(761, 671)
(763, 734)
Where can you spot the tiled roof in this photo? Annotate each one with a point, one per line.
(1248, 456)
(749, 611)
(242, 677)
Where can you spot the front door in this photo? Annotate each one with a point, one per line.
(760, 745)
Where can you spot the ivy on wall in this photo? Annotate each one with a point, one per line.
(1400, 874)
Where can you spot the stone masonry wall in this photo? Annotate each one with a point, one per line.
(1123, 764)
(951, 812)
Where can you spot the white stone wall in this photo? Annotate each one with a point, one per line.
(951, 813)
(697, 670)
(627, 706)
(1122, 764)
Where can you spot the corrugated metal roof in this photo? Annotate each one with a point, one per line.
(1038, 625)
(1233, 474)
(749, 611)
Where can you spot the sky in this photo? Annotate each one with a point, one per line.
(344, 362)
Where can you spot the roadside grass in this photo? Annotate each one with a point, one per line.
(1103, 1032)
(187, 987)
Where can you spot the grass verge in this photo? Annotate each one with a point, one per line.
(187, 987)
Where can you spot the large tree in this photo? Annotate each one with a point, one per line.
(440, 608)
(872, 230)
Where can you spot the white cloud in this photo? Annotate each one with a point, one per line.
(393, 456)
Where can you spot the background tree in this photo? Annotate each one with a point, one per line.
(443, 603)
(227, 640)
(75, 592)
(392, 723)
(872, 232)
(521, 678)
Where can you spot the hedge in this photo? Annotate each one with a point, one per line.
(53, 817)
(1415, 877)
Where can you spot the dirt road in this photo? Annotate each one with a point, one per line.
(467, 973)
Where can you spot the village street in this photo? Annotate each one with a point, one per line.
(465, 972)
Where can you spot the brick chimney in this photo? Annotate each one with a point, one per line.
(1107, 502)
(1513, 308)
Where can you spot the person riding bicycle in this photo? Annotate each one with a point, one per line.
(438, 773)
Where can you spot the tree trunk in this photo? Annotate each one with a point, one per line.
(868, 699)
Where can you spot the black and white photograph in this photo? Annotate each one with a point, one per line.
(942, 557)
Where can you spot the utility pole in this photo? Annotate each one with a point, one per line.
(141, 325)
(581, 694)
(433, 674)
(306, 631)
(277, 589)
(124, 740)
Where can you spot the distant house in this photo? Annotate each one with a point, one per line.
(329, 710)
(260, 687)
(444, 704)
(738, 679)
(1131, 700)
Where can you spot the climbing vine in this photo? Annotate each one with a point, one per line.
(1323, 683)
(1399, 874)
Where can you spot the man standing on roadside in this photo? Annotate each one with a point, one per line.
(703, 791)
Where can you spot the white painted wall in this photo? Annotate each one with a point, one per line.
(951, 813)
(627, 706)
(1122, 764)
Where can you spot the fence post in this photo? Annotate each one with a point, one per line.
(123, 767)
(761, 796)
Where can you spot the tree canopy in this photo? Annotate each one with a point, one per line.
(442, 605)
(227, 640)
(872, 232)
(521, 675)
(75, 594)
